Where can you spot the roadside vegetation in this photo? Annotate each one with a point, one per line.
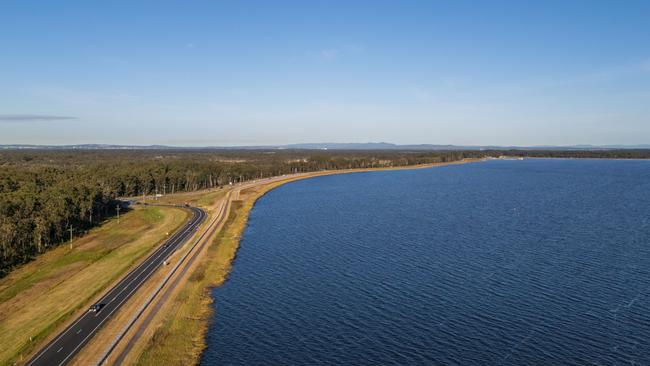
(39, 297)
(205, 198)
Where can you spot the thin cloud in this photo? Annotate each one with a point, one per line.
(421, 95)
(645, 65)
(330, 54)
(340, 52)
(32, 118)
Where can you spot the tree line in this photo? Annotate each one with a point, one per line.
(44, 194)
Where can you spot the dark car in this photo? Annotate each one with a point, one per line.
(96, 308)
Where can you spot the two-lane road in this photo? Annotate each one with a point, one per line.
(62, 348)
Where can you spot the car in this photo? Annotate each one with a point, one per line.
(96, 308)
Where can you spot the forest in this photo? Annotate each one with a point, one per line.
(47, 195)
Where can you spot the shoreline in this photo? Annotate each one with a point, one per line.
(177, 334)
(261, 189)
(573, 158)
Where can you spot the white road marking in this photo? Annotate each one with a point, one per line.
(57, 338)
(177, 237)
(108, 316)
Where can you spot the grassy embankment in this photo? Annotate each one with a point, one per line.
(42, 296)
(205, 199)
(180, 338)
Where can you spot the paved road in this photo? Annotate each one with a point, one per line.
(202, 243)
(62, 348)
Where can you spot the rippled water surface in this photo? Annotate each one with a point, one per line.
(535, 262)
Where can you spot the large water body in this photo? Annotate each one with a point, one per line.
(534, 262)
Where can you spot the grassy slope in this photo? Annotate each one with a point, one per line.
(205, 198)
(180, 338)
(38, 297)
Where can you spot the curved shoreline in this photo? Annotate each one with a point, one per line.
(266, 188)
(177, 331)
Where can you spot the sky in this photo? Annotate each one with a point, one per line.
(236, 72)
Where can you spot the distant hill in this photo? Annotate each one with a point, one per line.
(389, 146)
(324, 146)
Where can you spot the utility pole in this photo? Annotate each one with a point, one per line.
(70, 236)
(118, 213)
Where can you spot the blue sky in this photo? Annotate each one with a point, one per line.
(260, 72)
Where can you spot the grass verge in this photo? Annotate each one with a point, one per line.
(40, 297)
(204, 198)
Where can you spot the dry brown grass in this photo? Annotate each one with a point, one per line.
(205, 198)
(179, 340)
(42, 296)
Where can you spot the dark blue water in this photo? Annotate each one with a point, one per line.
(535, 262)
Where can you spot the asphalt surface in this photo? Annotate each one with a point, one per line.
(70, 341)
(219, 219)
